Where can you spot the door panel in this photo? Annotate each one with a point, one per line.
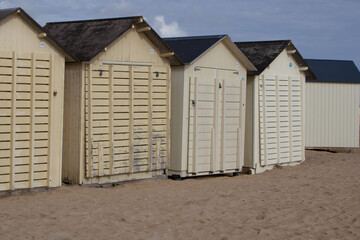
(215, 107)
(280, 112)
(25, 106)
(126, 119)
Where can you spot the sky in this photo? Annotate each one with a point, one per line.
(320, 29)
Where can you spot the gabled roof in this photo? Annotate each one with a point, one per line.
(4, 13)
(189, 49)
(336, 71)
(263, 53)
(87, 38)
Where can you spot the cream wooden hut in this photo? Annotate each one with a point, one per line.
(332, 104)
(31, 103)
(117, 108)
(208, 106)
(275, 105)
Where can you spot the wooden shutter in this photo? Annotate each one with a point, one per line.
(25, 103)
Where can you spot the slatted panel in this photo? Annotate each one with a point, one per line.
(280, 113)
(214, 122)
(126, 119)
(24, 120)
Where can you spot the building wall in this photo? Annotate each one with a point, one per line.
(18, 37)
(283, 67)
(134, 54)
(332, 114)
(219, 57)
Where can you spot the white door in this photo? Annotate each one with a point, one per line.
(280, 112)
(215, 121)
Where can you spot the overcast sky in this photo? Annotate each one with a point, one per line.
(320, 29)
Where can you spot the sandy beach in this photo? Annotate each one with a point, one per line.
(319, 199)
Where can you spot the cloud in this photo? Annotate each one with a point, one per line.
(168, 29)
(5, 4)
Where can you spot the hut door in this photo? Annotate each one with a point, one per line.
(215, 110)
(25, 110)
(126, 119)
(280, 112)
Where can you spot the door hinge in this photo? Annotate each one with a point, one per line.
(196, 69)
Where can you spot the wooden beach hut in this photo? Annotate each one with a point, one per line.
(208, 106)
(117, 110)
(332, 104)
(31, 103)
(275, 105)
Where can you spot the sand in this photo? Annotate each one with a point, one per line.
(319, 199)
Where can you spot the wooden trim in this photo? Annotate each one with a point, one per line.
(165, 55)
(194, 126)
(32, 122)
(111, 121)
(51, 64)
(291, 51)
(131, 120)
(128, 63)
(13, 120)
(150, 145)
(277, 105)
(290, 119)
(90, 137)
(263, 84)
(302, 111)
(223, 112)
(214, 128)
(143, 29)
(168, 123)
(41, 35)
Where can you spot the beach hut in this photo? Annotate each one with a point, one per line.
(31, 103)
(275, 105)
(117, 110)
(208, 106)
(332, 104)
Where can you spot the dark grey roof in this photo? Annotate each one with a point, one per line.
(87, 38)
(263, 53)
(4, 13)
(336, 71)
(190, 48)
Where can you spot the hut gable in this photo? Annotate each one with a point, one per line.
(87, 38)
(36, 30)
(263, 53)
(334, 71)
(190, 49)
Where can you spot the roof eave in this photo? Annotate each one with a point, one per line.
(173, 59)
(301, 61)
(239, 54)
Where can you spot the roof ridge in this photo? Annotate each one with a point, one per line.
(94, 20)
(196, 37)
(267, 41)
(334, 60)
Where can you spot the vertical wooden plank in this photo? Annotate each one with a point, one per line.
(90, 159)
(150, 146)
(32, 122)
(277, 106)
(302, 112)
(262, 86)
(158, 156)
(100, 159)
(223, 113)
(111, 120)
(168, 110)
(195, 126)
(51, 66)
(13, 120)
(290, 119)
(239, 149)
(214, 129)
(131, 119)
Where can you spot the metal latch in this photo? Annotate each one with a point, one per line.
(237, 73)
(193, 102)
(196, 69)
(220, 86)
